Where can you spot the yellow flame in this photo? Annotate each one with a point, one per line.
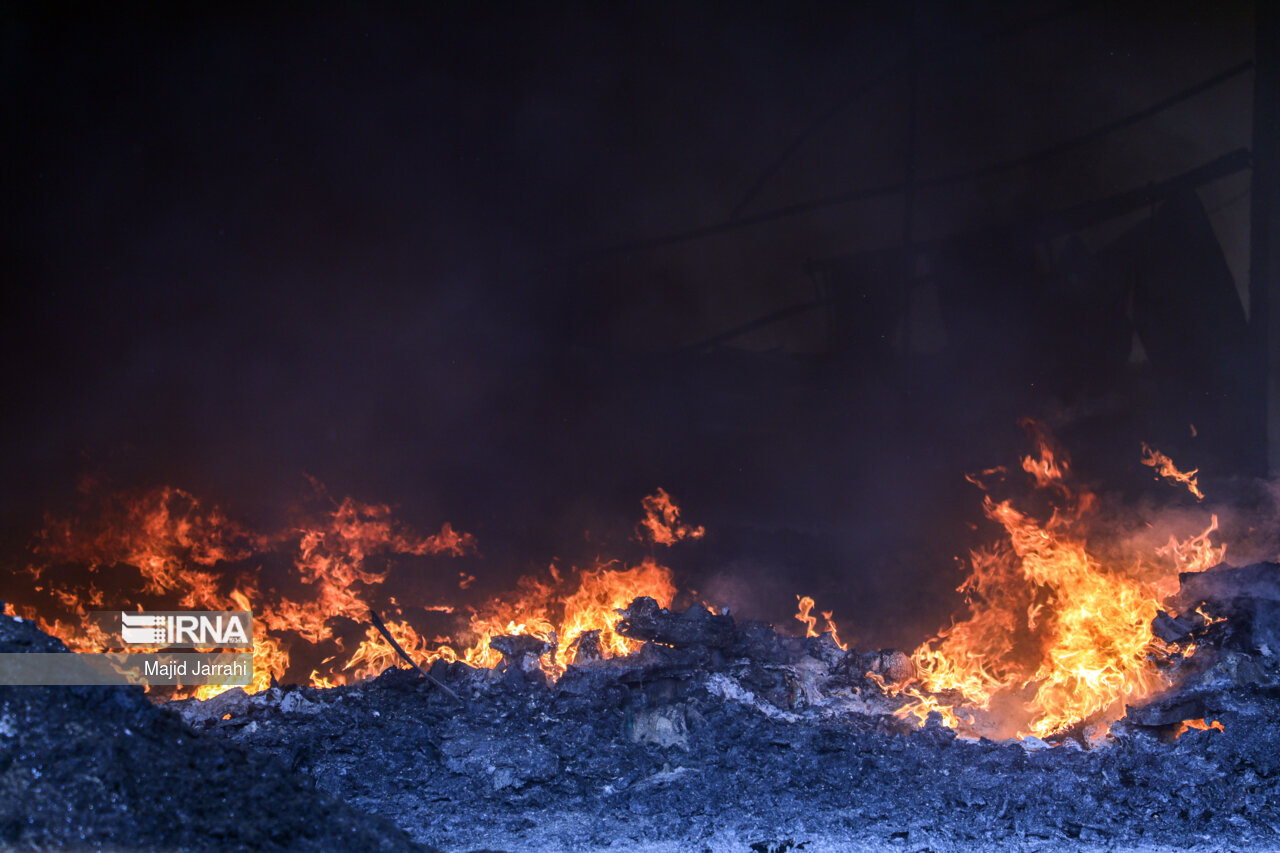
(1165, 468)
(1054, 638)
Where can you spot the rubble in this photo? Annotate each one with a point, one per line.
(696, 627)
(729, 737)
(665, 726)
(1248, 597)
(520, 656)
(105, 768)
(741, 739)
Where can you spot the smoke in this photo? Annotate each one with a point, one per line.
(362, 246)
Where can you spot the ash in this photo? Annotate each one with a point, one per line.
(102, 768)
(715, 736)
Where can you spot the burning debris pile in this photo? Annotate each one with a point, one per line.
(1098, 691)
(717, 734)
(727, 735)
(312, 585)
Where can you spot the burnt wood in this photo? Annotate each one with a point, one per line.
(697, 626)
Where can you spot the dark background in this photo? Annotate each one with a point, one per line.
(416, 252)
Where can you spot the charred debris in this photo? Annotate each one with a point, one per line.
(715, 735)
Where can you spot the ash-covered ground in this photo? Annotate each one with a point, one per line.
(103, 768)
(716, 736)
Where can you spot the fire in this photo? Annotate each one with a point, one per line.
(1208, 618)
(661, 523)
(556, 610)
(1197, 553)
(603, 592)
(804, 612)
(1049, 467)
(375, 654)
(189, 556)
(1165, 468)
(1054, 637)
(1199, 724)
(166, 534)
(332, 555)
(562, 611)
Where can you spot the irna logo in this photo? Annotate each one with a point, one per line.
(187, 629)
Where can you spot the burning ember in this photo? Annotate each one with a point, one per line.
(1198, 724)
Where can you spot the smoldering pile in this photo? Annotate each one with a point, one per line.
(726, 735)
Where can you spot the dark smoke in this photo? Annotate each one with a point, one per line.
(247, 244)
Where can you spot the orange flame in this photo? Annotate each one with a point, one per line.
(835, 632)
(1051, 465)
(1054, 638)
(804, 612)
(548, 609)
(1198, 724)
(1196, 553)
(1155, 459)
(341, 556)
(661, 523)
(182, 551)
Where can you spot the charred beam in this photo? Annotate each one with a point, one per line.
(382, 629)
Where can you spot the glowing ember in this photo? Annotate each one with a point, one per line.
(1198, 724)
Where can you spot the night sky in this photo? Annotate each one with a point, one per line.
(405, 249)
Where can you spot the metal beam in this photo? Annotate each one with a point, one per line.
(1264, 237)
